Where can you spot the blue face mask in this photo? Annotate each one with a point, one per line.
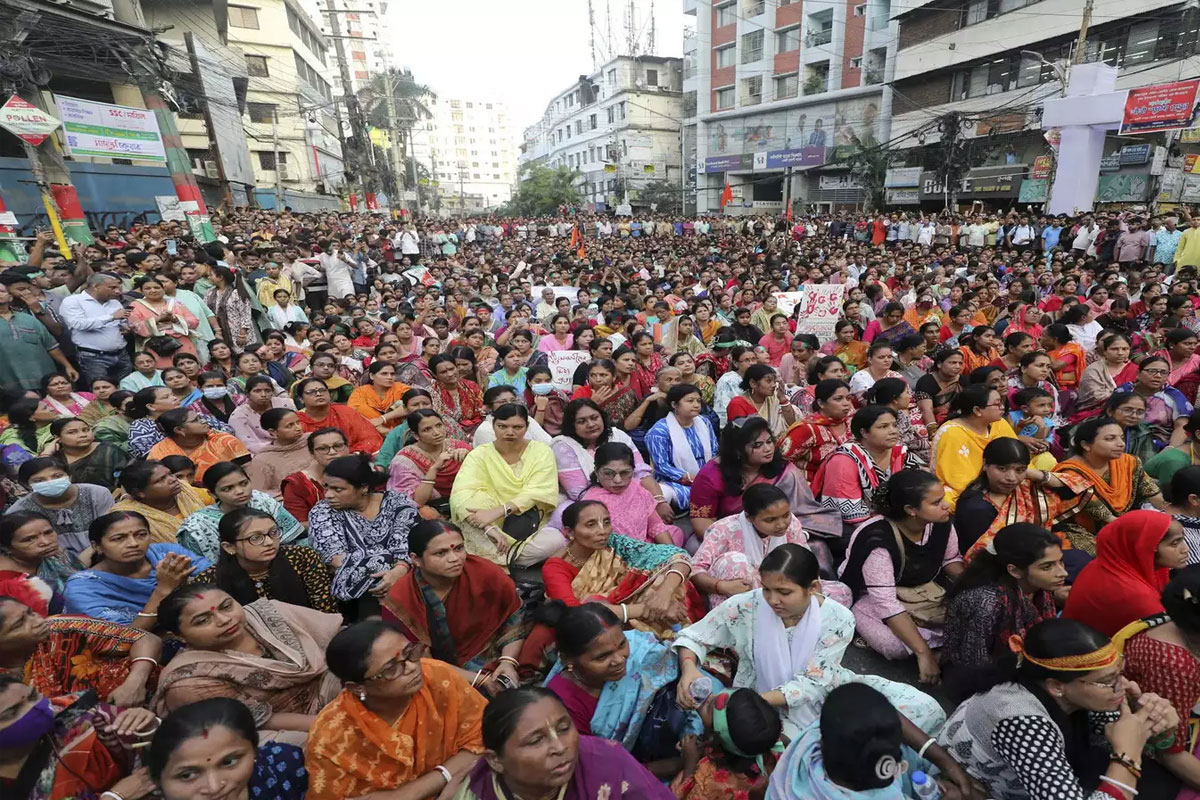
(215, 392)
(542, 389)
(55, 487)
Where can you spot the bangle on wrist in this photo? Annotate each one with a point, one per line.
(148, 659)
(1128, 763)
(150, 614)
(1122, 786)
(624, 614)
(445, 773)
(928, 743)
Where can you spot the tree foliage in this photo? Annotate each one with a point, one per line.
(665, 197)
(543, 190)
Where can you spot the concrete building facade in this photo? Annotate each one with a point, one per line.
(468, 150)
(618, 127)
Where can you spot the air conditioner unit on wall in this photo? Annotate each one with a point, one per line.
(284, 175)
(210, 170)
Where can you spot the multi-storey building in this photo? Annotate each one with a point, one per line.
(469, 153)
(997, 61)
(779, 87)
(618, 128)
(288, 120)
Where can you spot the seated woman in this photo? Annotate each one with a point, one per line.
(401, 435)
(28, 430)
(114, 428)
(1105, 481)
(813, 439)
(87, 460)
(455, 397)
(287, 453)
(214, 742)
(1129, 410)
(847, 480)
(462, 607)
(896, 395)
(129, 576)
(733, 548)
(1134, 556)
(762, 395)
(680, 444)
(747, 456)
(324, 367)
(1008, 491)
(319, 412)
(1167, 410)
(608, 679)
(935, 392)
(498, 396)
(217, 400)
(44, 653)
(304, 488)
(1027, 735)
(379, 400)
(145, 373)
(187, 434)
(164, 501)
(426, 469)
(1167, 461)
(647, 583)
(268, 655)
(505, 491)
(253, 564)
(69, 507)
(634, 511)
(229, 485)
(1159, 659)
(246, 419)
(33, 566)
(790, 640)
(585, 427)
(1101, 378)
(361, 530)
(401, 719)
(569, 766)
(1006, 588)
(892, 563)
(61, 398)
(68, 747)
(976, 418)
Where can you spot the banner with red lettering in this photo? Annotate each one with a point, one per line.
(1165, 107)
(820, 307)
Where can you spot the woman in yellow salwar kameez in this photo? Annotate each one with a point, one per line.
(504, 492)
(976, 418)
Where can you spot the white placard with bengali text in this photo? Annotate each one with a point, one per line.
(820, 308)
(563, 364)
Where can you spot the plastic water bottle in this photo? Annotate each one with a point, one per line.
(701, 689)
(925, 787)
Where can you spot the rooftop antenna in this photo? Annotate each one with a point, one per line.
(631, 37)
(592, 34)
(650, 32)
(608, 29)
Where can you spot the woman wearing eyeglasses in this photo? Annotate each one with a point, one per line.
(268, 655)
(254, 563)
(401, 720)
(320, 412)
(1167, 410)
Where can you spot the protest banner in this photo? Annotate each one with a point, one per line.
(563, 364)
(820, 308)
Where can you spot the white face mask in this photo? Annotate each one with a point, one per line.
(541, 389)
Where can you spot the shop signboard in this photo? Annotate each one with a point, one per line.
(795, 157)
(1041, 167)
(902, 177)
(1034, 190)
(1165, 107)
(903, 197)
(1135, 154)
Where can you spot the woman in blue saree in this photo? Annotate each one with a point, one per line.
(617, 684)
(131, 576)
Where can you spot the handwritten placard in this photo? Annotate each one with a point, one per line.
(563, 364)
(820, 308)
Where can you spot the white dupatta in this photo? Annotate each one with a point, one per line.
(681, 448)
(776, 661)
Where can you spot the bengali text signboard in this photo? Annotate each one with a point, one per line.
(108, 131)
(1165, 107)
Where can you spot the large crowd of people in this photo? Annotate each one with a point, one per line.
(589, 508)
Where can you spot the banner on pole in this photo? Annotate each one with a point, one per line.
(107, 131)
(26, 121)
(1165, 107)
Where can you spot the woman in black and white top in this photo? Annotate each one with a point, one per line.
(1035, 732)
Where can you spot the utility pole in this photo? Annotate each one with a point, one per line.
(275, 158)
(393, 130)
(356, 147)
(1081, 42)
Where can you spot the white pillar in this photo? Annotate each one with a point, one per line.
(1089, 110)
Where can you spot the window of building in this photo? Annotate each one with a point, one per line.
(977, 11)
(787, 41)
(578, 126)
(242, 17)
(727, 15)
(652, 77)
(856, 62)
(256, 67)
(727, 56)
(787, 86)
(621, 109)
(752, 46)
(592, 122)
(266, 159)
(260, 112)
(725, 98)
(752, 8)
(752, 90)
(860, 10)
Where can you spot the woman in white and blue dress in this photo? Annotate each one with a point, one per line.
(680, 444)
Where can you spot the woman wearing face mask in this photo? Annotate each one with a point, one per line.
(217, 401)
(214, 744)
(545, 403)
(230, 487)
(268, 655)
(70, 507)
(1007, 588)
(87, 460)
(129, 576)
(790, 637)
(51, 747)
(33, 566)
(412, 717)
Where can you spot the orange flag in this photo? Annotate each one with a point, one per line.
(727, 195)
(575, 237)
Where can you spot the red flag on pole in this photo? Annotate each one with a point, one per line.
(727, 195)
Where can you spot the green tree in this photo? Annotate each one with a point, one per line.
(665, 197)
(868, 165)
(542, 190)
(409, 103)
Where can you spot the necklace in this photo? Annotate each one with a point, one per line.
(573, 559)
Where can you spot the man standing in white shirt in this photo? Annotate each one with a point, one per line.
(96, 321)
(409, 244)
(1021, 236)
(1084, 237)
(338, 269)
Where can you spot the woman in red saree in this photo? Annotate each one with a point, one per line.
(648, 363)
(319, 412)
(1101, 378)
(813, 439)
(463, 607)
(454, 396)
